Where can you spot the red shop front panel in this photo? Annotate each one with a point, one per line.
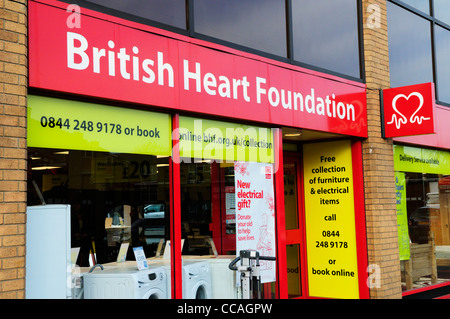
(111, 58)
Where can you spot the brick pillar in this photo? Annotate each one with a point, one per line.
(378, 160)
(13, 147)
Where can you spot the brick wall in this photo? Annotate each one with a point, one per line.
(13, 164)
(378, 160)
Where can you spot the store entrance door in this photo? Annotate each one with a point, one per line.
(294, 224)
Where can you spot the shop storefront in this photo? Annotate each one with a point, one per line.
(422, 166)
(172, 155)
(417, 120)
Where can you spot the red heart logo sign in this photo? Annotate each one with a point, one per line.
(408, 110)
(399, 118)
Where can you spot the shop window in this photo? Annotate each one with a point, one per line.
(333, 45)
(422, 200)
(114, 198)
(196, 215)
(109, 166)
(227, 205)
(213, 224)
(261, 27)
(423, 213)
(410, 56)
(428, 207)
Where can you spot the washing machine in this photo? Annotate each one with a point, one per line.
(126, 283)
(197, 280)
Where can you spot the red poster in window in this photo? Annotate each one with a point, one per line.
(409, 110)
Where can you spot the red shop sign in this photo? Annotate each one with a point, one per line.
(409, 110)
(115, 59)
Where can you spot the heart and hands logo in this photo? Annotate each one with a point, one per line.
(399, 118)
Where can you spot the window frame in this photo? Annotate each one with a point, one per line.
(434, 22)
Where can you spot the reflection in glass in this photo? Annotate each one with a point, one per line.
(428, 210)
(259, 25)
(115, 198)
(442, 41)
(422, 5)
(442, 10)
(325, 34)
(410, 58)
(290, 195)
(208, 229)
(196, 215)
(209, 216)
(171, 12)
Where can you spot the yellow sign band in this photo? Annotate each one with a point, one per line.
(421, 160)
(66, 124)
(224, 141)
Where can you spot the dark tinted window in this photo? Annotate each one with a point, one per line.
(410, 58)
(443, 61)
(260, 25)
(171, 12)
(325, 34)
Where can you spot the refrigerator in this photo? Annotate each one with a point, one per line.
(48, 252)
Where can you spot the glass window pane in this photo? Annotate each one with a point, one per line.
(325, 34)
(227, 209)
(428, 199)
(196, 186)
(171, 12)
(442, 10)
(443, 64)
(206, 189)
(441, 228)
(290, 195)
(115, 198)
(409, 37)
(422, 5)
(260, 25)
(212, 221)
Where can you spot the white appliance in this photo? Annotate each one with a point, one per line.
(126, 283)
(223, 279)
(48, 262)
(196, 280)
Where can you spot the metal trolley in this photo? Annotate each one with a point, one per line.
(250, 272)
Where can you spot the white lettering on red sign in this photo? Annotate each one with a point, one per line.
(125, 61)
(78, 59)
(81, 57)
